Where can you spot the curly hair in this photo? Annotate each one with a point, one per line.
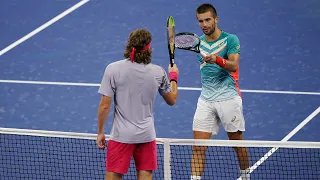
(138, 39)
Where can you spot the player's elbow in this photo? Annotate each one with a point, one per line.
(105, 103)
(170, 98)
(233, 69)
(171, 102)
(105, 106)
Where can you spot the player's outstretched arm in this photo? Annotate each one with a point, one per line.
(171, 97)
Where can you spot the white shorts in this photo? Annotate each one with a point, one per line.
(210, 115)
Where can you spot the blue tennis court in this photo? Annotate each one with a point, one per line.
(279, 66)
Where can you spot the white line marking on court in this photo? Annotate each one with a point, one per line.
(281, 92)
(50, 83)
(292, 133)
(180, 88)
(34, 32)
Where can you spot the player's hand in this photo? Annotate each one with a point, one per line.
(101, 141)
(210, 58)
(174, 68)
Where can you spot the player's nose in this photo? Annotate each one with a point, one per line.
(205, 25)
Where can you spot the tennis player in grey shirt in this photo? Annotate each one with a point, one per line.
(133, 83)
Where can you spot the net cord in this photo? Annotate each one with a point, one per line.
(191, 142)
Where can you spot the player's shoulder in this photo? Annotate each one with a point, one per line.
(230, 37)
(116, 65)
(157, 69)
(203, 37)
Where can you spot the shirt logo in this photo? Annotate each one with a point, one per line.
(221, 44)
(234, 118)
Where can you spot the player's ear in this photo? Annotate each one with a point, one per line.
(216, 20)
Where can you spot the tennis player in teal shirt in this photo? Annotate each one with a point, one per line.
(220, 102)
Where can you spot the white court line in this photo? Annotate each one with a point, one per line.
(50, 83)
(180, 88)
(34, 32)
(292, 133)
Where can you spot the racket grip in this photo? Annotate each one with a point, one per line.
(203, 54)
(172, 62)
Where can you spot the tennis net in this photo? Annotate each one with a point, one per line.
(35, 154)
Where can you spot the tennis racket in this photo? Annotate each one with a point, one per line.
(188, 41)
(170, 38)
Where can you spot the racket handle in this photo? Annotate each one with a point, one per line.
(172, 62)
(203, 54)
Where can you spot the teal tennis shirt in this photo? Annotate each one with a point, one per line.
(219, 84)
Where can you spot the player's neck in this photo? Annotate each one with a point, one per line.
(214, 36)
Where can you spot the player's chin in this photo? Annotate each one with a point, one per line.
(207, 32)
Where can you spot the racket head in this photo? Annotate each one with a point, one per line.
(187, 41)
(170, 38)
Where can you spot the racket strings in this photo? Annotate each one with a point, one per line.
(186, 41)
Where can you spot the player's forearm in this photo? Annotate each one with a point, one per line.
(174, 89)
(103, 113)
(231, 66)
(174, 84)
(171, 97)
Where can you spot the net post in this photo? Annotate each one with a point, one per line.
(166, 159)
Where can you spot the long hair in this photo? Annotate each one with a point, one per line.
(138, 39)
